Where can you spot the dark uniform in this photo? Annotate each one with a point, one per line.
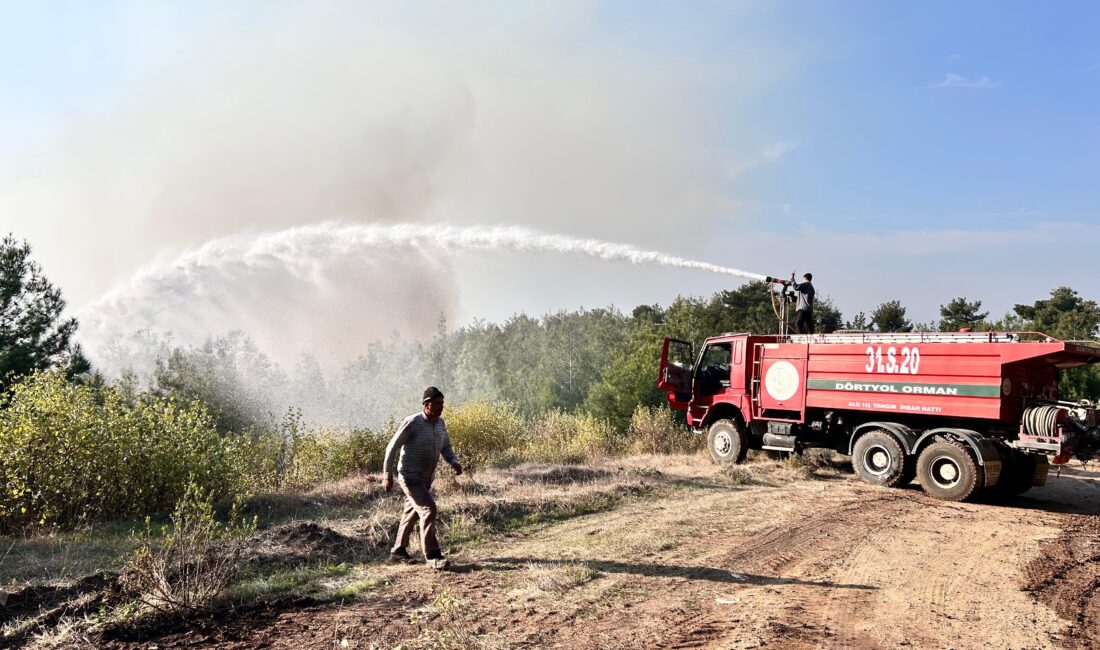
(804, 310)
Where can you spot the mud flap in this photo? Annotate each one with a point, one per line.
(989, 458)
(1042, 468)
(992, 472)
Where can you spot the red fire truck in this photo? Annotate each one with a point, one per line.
(961, 412)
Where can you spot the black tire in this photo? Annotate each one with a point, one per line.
(727, 442)
(947, 470)
(879, 459)
(1017, 472)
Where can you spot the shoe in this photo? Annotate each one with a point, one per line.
(400, 555)
(439, 563)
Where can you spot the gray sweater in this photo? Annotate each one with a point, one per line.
(416, 446)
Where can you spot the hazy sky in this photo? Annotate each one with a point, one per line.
(917, 151)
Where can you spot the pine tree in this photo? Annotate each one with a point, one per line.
(33, 335)
(890, 317)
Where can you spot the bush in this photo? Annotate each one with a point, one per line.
(484, 432)
(197, 559)
(559, 437)
(71, 454)
(287, 457)
(331, 454)
(652, 430)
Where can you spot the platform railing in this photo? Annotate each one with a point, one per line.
(922, 337)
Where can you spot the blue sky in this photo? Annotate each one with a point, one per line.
(898, 150)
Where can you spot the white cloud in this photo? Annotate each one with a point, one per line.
(768, 154)
(777, 150)
(953, 80)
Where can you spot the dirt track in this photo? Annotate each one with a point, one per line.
(804, 564)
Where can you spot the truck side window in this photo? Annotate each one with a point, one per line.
(679, 354)
(714, 368)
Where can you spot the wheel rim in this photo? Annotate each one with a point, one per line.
(945, 472)
(876, 460)
(723, 443)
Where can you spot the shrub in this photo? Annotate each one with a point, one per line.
(652, 430)
(484, 432)
(559, 437)
(287, 457)
(72, 453)
(550, 439)
(736, 474)
(197, 559)
(330, 454)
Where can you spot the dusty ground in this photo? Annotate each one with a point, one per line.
(706, 562)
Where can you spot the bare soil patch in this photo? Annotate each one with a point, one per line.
(1066, 576)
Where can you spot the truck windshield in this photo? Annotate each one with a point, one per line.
(714, 367)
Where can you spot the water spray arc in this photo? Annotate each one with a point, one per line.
(326, 282)
(522, 239)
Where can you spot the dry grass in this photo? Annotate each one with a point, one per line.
(736, 475)
(444, 626)
(51, 556)
(815, 463)
(70, 633)
(557, 578)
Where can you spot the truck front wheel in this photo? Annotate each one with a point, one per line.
(947, 470)
(878, 458)
(727, 442)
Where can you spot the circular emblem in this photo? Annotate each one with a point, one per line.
(1006, 386)
(781, 380)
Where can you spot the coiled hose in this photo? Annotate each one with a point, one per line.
(1041, 420)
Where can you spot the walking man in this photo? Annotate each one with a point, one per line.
(413, 454)
(804, 308)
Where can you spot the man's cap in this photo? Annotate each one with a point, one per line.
(431, 392)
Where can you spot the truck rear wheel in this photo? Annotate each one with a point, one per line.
(727, 442)
(947, 470)
(878, 458)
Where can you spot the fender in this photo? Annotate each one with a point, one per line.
(906, 436)
(984, 449)
(719, 411)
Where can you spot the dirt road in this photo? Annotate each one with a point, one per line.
(774, 563)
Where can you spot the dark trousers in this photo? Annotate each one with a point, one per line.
(419, 505)
(804, 321)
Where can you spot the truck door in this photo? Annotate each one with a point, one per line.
(677, 359)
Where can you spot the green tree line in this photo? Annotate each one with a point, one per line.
(77, 445)
(599, 361)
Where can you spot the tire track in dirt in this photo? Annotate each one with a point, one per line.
(889, 569)
(777, 549)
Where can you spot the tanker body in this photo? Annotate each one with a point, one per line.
(961, 412)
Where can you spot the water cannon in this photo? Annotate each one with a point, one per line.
(785, 283)
(785, 295)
